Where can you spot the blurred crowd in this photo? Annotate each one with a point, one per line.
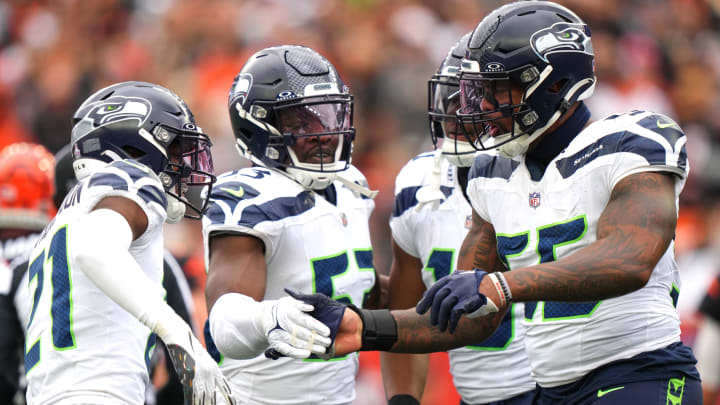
(660, 55)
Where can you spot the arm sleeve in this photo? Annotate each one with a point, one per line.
(236, 326)
(105, 237)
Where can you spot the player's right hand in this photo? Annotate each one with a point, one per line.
(291, 330)
(203, 382)
(324, 310)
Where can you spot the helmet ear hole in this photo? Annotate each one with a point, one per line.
(558, 86)
(133, 152)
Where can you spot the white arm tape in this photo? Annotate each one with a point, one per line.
(236, 325)
(100, 242)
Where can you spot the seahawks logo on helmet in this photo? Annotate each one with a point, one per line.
(119, 108)
(561, 37)
(241, 87)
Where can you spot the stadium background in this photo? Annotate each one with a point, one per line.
(650, 54)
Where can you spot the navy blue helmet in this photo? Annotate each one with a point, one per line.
(443, 103)
(289, 94)
(152, 125)
(541, 49)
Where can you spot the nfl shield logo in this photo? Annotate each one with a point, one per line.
(534, 200)
(468, 222)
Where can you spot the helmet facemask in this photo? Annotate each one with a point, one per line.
(443, 104)
(311, 137)
(188, 175)
(495, 111)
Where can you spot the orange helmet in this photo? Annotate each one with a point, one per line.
(26, 186)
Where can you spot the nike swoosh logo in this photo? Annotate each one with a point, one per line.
(237, 193)
(663, 125)
(605, 392)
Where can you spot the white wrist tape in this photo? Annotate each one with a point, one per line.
(236, 325)
(100, 243)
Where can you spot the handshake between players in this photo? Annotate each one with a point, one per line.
(448, 299)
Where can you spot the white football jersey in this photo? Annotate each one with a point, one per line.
(311, 246)
(496, 368)
(82, 347)
(537, 222)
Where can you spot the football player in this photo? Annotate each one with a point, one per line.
(298, 218)
(581, 213)
(26, 207)
(429, 221)
(95, 273)
(174, 281)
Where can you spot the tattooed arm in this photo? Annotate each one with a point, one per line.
(415, 333)
(633, 233)
(479, 249)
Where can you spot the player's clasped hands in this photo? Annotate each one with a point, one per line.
(292, 331)
(455, 295)
(324, 311)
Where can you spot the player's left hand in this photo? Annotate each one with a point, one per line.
(455, 295)
(203, 382)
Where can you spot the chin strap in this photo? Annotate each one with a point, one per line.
(431, 194)
(175, 209)
(357, 188)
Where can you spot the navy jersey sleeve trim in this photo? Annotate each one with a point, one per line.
(273, 210)
(663, 126)
(148, 193)
(134, 169)
(153, 194)
(108, 179)
(652, 151)
(406, 198)
(488, 166)
(277, 209)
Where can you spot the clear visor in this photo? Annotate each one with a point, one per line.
(314, 118)
(488, 110)
(496, 93)
(318, 131)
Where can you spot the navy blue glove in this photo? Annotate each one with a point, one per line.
(452, 296)
(326, 310)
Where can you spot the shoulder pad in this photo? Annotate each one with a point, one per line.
(129, 175)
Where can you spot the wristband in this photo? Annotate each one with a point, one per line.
(505, 287)
(498, 288)
(379, 329)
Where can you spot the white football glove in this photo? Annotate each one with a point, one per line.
(291, 331)
(203, 382)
